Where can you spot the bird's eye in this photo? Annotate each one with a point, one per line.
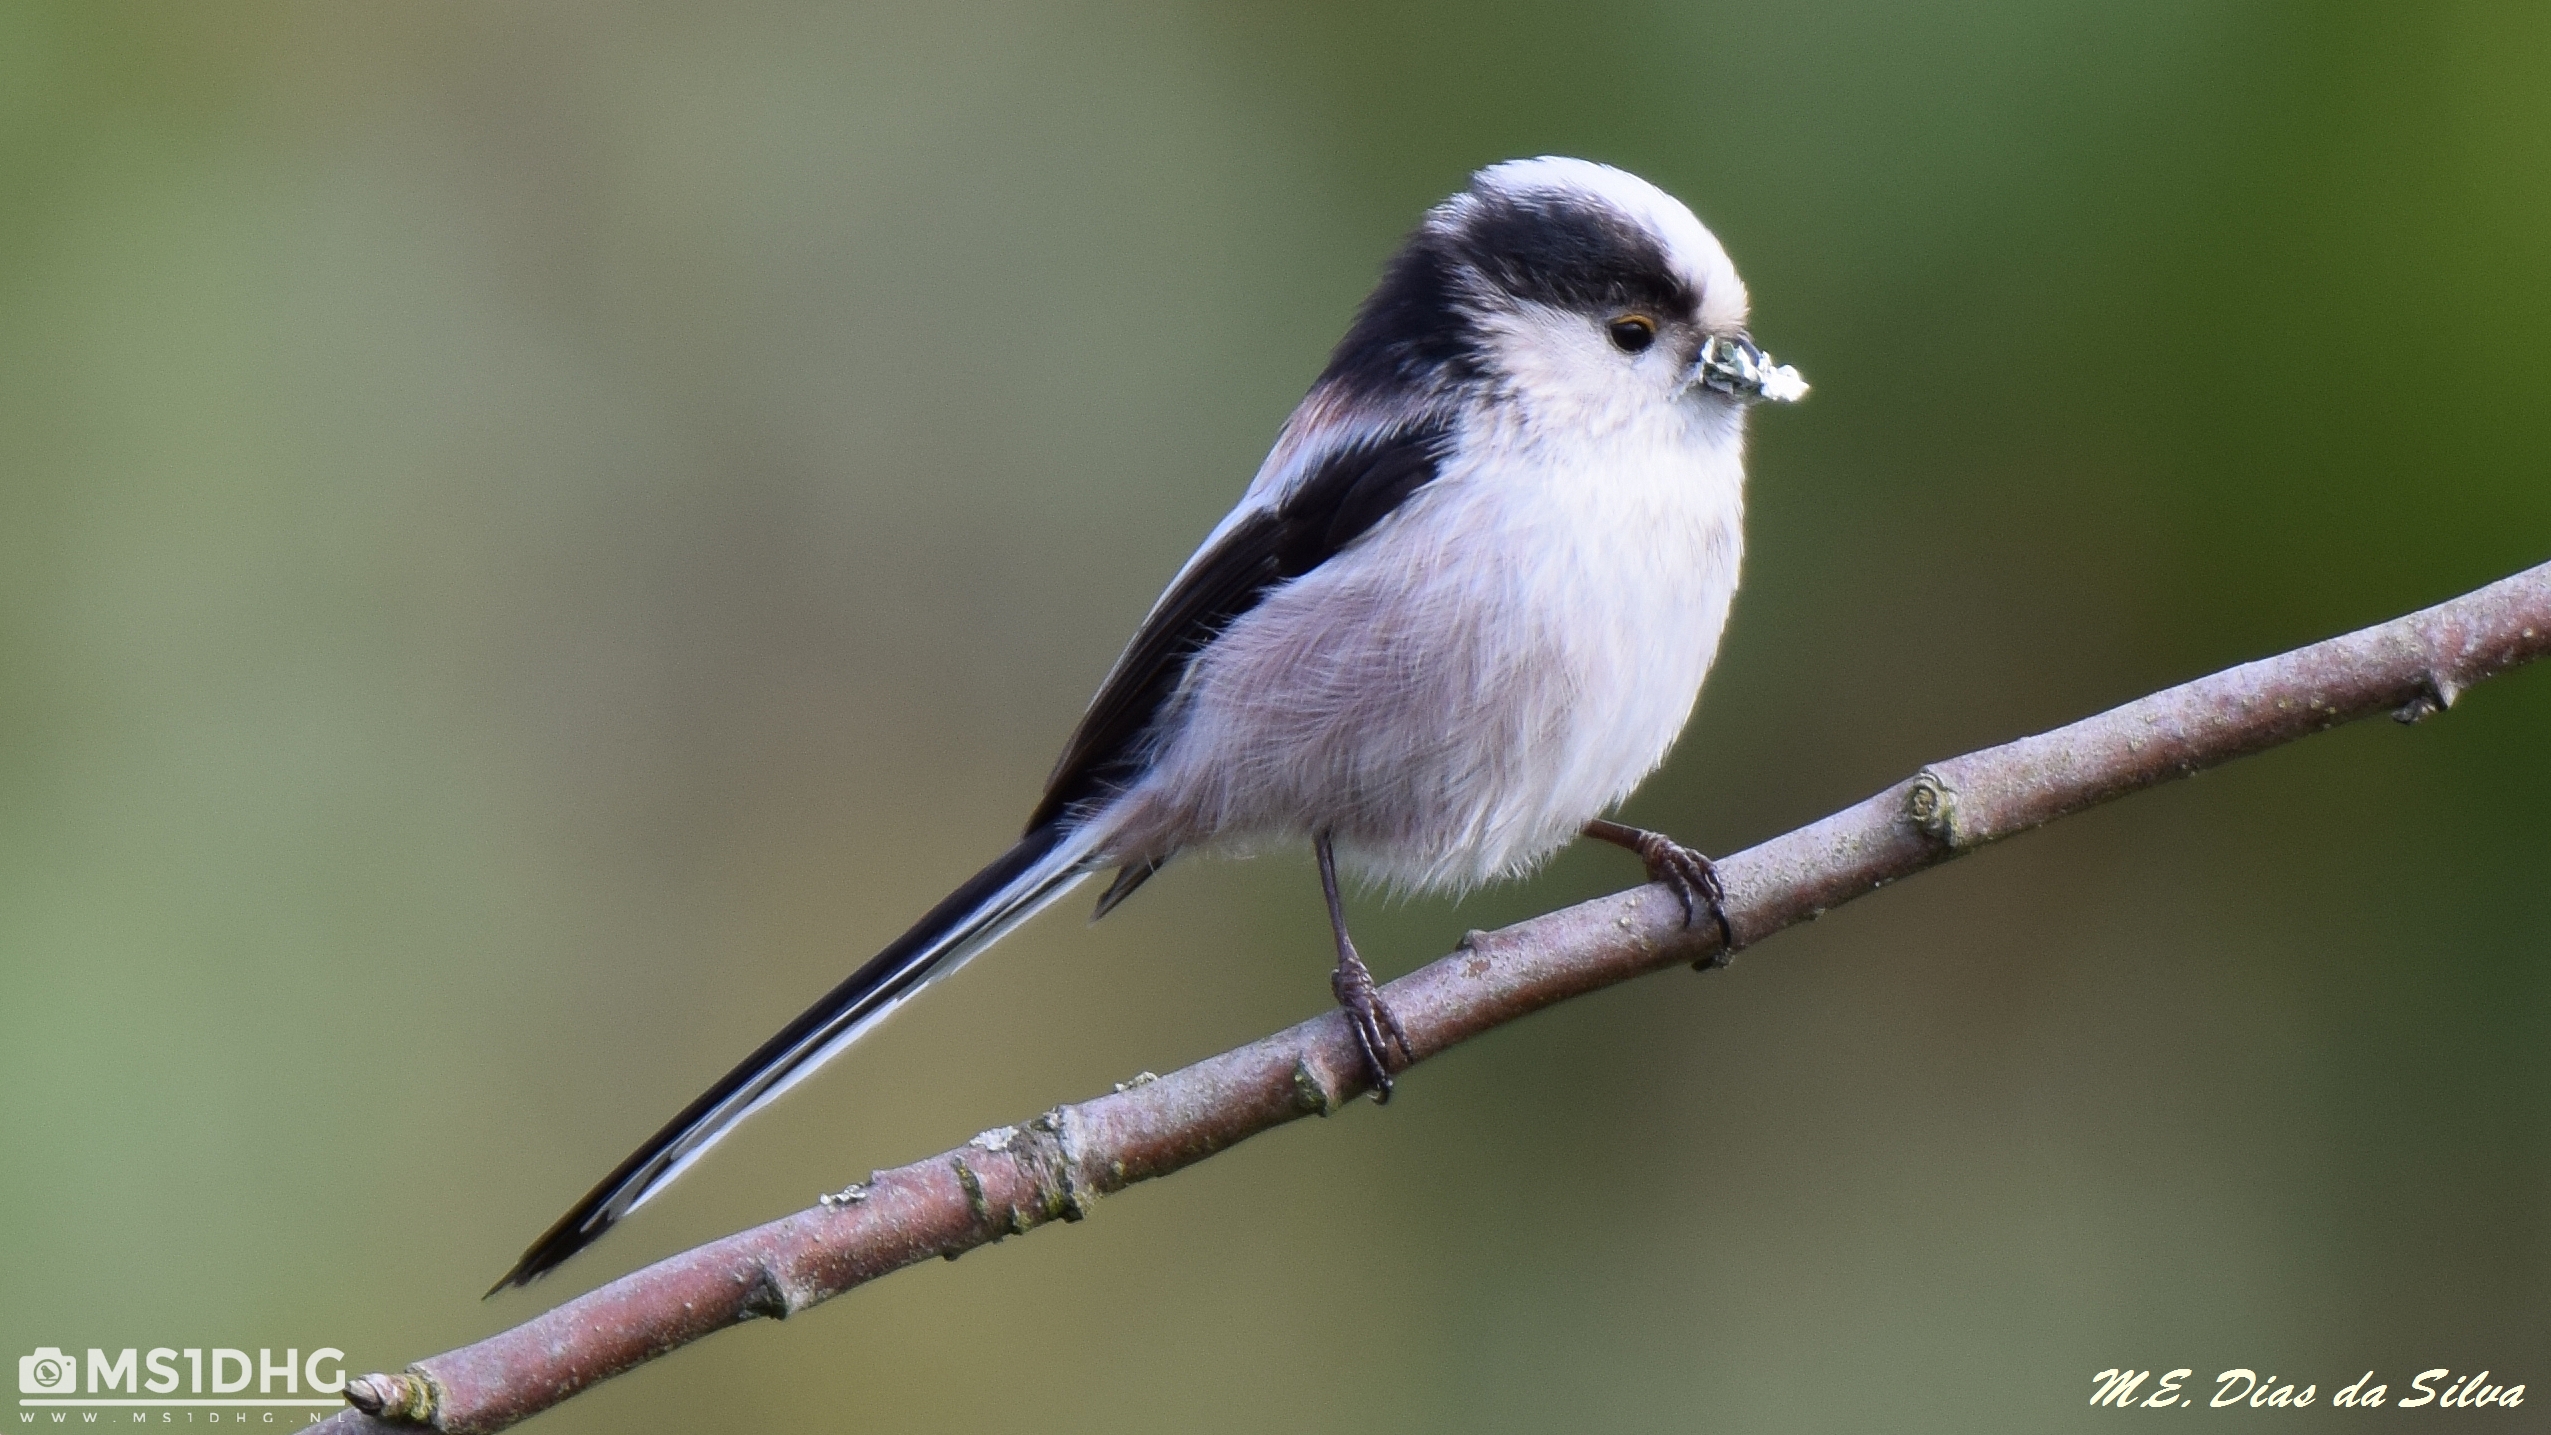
(1632, 333)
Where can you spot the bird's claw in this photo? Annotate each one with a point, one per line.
(1377, 1028)
(1694, 881)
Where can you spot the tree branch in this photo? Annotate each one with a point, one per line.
(1011, 1180)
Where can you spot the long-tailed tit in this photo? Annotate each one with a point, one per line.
(1463, 609)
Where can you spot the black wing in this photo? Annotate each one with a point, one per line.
(1350, 491)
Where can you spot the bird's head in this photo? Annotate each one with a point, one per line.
(1563, 285)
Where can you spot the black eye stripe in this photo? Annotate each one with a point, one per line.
(1631, 333)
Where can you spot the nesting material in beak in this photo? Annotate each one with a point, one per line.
(1736, 367)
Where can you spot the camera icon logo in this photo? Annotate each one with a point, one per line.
(48, 1372)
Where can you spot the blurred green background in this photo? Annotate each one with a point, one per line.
(534, 536)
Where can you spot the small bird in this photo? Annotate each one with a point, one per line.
(1463, 609)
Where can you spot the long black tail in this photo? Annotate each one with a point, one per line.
(1043, 866)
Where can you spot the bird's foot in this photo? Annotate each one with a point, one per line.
(1377, 1030)
(1691, 877)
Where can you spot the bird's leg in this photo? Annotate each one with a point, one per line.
(1687, 872)
(1376, 1029)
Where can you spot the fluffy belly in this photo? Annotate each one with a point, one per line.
(1449, 717)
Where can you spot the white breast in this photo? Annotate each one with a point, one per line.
(1493, 666)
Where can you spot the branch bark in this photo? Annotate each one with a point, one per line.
(1011, 1180)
